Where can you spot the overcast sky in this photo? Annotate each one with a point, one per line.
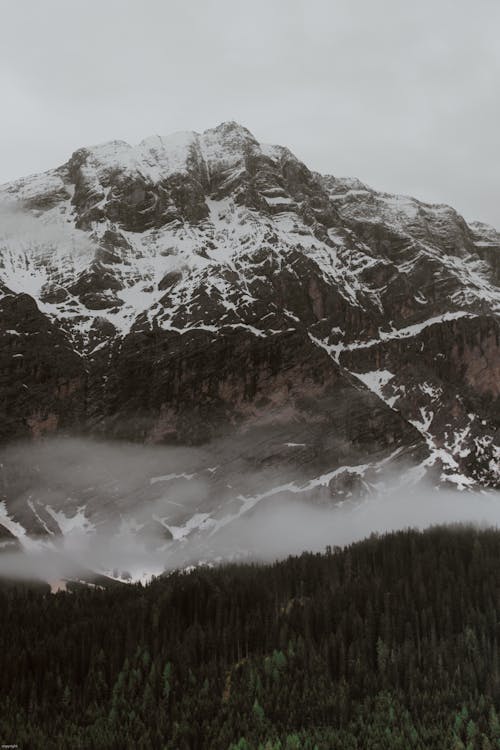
(403, 94)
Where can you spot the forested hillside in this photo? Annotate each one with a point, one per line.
(389, 643)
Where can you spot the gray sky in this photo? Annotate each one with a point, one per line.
(404, 94)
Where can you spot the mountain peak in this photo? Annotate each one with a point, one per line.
(228, 134)
(158, 156)
(231, 126)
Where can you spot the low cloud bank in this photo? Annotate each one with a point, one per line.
(128, 493)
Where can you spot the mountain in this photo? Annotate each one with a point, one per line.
(211, 291)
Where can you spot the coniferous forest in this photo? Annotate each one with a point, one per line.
(389, 643)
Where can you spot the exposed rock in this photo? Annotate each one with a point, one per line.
(53, 293)
(36, 360)
(170, 279)
(347, 485)
(100, 300)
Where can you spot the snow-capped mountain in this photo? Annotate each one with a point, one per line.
(208, 290)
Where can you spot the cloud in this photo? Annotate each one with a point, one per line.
(18, 227)
(110, 500)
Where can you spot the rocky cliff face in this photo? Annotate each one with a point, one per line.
(197, 288)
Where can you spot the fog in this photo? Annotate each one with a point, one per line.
(24, 229)
(117, 505)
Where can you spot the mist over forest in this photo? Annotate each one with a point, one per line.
(100, 494)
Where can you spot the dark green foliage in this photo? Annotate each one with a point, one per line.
(389, 644)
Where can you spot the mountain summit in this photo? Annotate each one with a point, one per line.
(200, 288)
